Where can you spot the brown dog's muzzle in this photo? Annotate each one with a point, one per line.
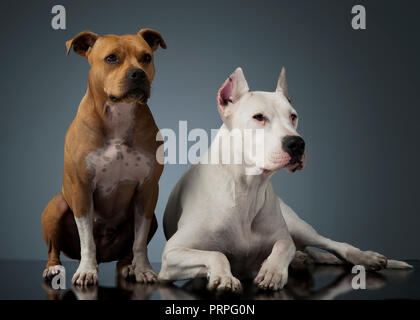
(136, 86)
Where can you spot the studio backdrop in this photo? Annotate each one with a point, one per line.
(356, 92)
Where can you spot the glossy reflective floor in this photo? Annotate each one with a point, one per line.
(22, 280)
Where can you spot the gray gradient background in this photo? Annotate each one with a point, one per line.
(356, 93)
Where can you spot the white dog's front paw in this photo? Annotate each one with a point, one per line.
(86, 274)
(142, 274)
(226, 283)
(369, 259)
(271, 277)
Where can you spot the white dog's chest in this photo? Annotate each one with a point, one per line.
(246, 243)
(118, 163)
(246, 250)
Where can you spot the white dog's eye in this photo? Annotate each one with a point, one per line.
(259, 117)
(293, 117)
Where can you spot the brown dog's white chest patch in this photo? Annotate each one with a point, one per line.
(117, 162)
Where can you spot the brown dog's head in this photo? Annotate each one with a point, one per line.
(122, 67)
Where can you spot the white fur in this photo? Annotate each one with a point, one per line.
(87, 272)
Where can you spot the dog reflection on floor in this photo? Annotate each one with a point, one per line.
(302, 285)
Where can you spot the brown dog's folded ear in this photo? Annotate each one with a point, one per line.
(82, 43)
(153, 38)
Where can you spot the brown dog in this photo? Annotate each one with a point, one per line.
(105, 211)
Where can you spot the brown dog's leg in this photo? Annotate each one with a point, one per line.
(51, 227)
(153, 228)
(124, 264)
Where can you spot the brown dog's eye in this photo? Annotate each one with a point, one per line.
(147, 58)
(293, 116)
(111, 59)
(259, 117)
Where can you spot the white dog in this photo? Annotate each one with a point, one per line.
(225, 219)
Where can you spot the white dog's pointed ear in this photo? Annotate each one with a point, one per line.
(282, 84)
(232, 89)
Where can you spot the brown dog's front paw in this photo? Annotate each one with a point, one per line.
(140, 274)
(145, 275)
(52, 271)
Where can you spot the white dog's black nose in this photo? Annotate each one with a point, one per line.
(294, 146)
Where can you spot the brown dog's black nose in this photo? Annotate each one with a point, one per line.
(136, 75)
(295, 147)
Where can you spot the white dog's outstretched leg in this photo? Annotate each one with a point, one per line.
(274, 270)
(304, 235)
(329, 258)
(323, 257)
(183, 263)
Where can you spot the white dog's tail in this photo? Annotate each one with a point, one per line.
(395, 264)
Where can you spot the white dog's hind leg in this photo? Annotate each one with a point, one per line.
(304, 235)
(323, 257)
(183, 263)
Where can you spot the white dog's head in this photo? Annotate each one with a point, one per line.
(271, 111)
